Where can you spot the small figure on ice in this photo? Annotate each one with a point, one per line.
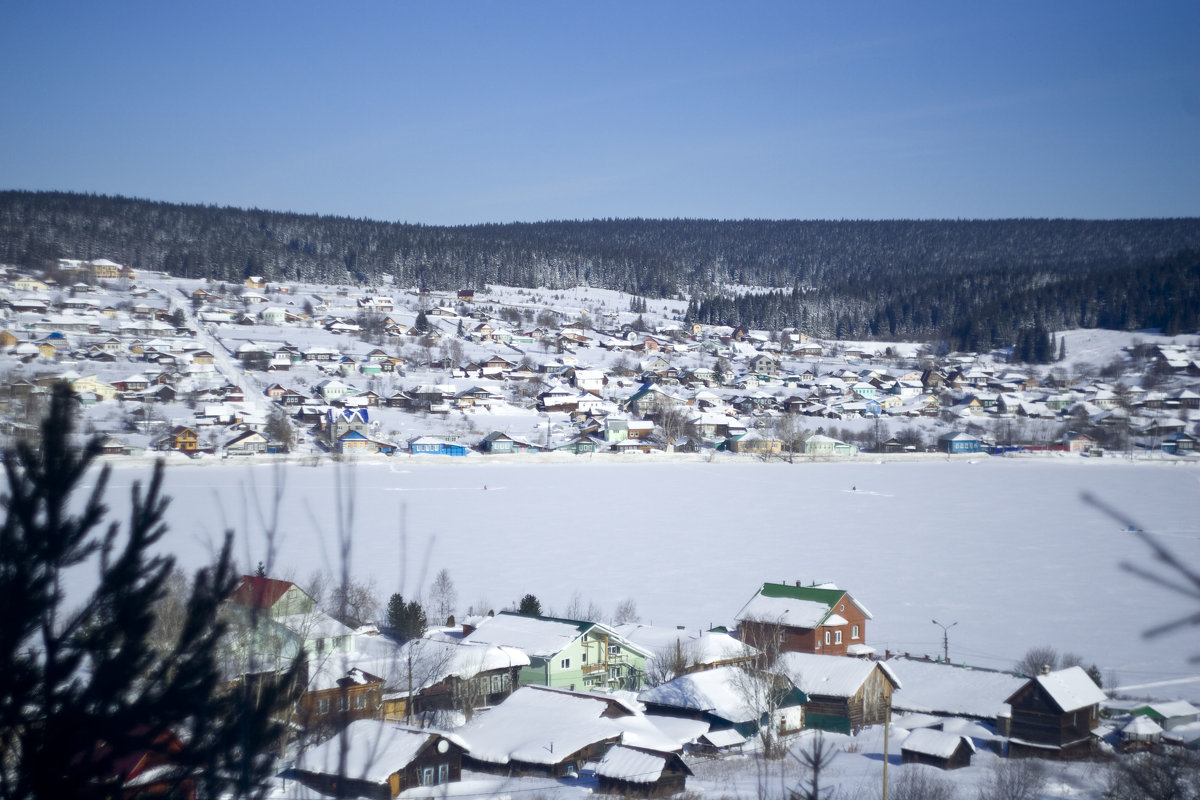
(854, 488)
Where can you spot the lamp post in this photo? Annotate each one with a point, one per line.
(945, 638)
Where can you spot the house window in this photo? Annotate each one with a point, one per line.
(496, 683)
(427, 776)
(343, 703)
(853, 631)
(826, 637)
(837, 637)
(614, 649)
(564, 664)
(323, 705)
(360, 701)
(443, 773)
(583, 658)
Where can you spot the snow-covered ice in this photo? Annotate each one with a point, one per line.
(1005, 548)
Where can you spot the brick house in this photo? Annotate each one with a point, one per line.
(819, 619)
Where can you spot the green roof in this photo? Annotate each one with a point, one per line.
(812, 593)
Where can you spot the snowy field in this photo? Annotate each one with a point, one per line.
(1004, 548)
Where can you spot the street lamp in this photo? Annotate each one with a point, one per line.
(945, 638)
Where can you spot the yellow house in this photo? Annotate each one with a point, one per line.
(94, 385)
(46, 350)
(30, 285)
(103, 268)
(756, 443)
(8, 340)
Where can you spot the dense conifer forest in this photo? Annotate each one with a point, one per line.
(969, 284)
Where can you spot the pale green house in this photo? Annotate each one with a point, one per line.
(566, 653)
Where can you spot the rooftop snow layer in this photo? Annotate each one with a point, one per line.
(947, 689)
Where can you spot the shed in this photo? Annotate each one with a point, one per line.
(716, 743)
(937, 749)
(640, 772)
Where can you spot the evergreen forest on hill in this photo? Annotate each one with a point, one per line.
(966, 284)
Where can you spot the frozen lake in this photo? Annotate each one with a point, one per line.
(1004, 548)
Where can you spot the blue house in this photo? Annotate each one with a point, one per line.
(959, 442)
(427, 445)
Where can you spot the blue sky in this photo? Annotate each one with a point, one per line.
(456, 113)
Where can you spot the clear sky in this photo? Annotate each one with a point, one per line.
(450, 113)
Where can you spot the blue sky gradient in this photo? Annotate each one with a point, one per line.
(457, 113)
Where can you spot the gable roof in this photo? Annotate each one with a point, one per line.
(259, 592)
(1070, 689)
(935, 743)
(519, 728)
(797, 606)
(637, 765)
(374, 750)
(422, 663)
(831, 676)
(721, 692)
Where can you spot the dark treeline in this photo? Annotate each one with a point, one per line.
(978, 310)
(970, 283)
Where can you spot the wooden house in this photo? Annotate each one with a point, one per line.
(181, 438)
(381, 760)
(428, 445)
(805, 619)
(640, 772)
(1054, 714)
(497, 442)
(937, 749)
(844, 694)
(333, 699)
(959, 442)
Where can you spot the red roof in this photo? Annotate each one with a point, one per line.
(259, 592)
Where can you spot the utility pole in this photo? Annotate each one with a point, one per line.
(945, 638)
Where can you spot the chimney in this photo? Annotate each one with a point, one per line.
(1045, 669)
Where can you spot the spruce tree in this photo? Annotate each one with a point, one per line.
(406, 619)
(530, 606)
(83, 691)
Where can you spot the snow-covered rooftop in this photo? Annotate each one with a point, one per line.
(947, 689)
(523, 727)
(722, 691)
(540, 638)
(935, 743)
(831, 676)
(373, 750)
(1071, 688)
